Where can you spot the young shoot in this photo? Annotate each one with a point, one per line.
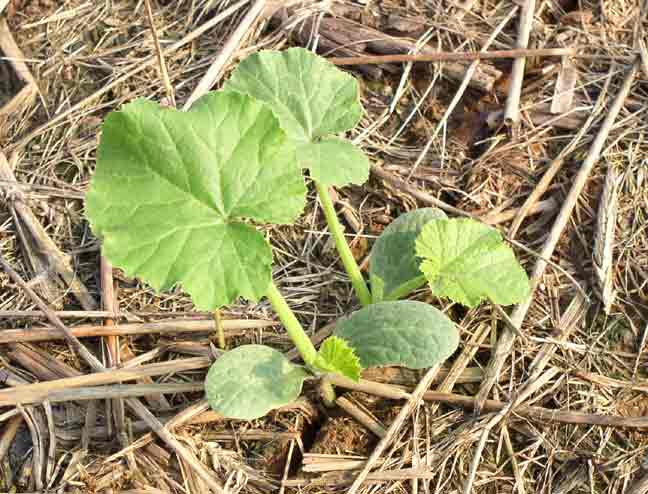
(181, 198)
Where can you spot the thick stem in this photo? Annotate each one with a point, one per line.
(293, 327)
(327, 392)
(350, 264)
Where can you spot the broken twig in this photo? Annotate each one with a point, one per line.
(453, 56)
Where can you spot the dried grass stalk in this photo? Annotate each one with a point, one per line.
(408, 408)
(232, 326)
(564, 90)
(217, 69)
(361, 416)
(542, 414)
(33, 393)
(27, 94)
(505, 342)
(604, 240)
(44, 245)
(512, 109)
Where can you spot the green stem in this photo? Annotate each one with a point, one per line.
(407, 288)
(328, 392)
(350, 264)
(293, 327)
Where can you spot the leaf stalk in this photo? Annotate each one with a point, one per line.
(337, 231)
(327, 392)
(293, 327)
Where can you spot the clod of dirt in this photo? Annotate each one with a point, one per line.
(343, 436)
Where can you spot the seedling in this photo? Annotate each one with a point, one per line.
(176, 197)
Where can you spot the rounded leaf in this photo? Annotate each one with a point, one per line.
(249, 381)
(407, 333)
(468, 261)
(171, 189)
(394, 266)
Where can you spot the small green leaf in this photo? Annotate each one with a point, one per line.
(313, 100)
(171, 190)
(335, 355)
(249, 381)
(394, 268)
(407, 333)
(467, 261)
(334, 161)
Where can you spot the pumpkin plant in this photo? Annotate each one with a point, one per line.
(178, 198)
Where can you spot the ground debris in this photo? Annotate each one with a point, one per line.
(585, 332)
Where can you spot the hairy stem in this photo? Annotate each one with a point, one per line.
(293, 327)
(350, 264)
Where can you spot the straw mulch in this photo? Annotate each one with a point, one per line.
(566, 405)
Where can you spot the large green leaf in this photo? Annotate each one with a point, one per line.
(313, 100)
(171, 190)
(468, 261)
(249, 381)
(335, 355)
(394, 268)
(407, 333)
